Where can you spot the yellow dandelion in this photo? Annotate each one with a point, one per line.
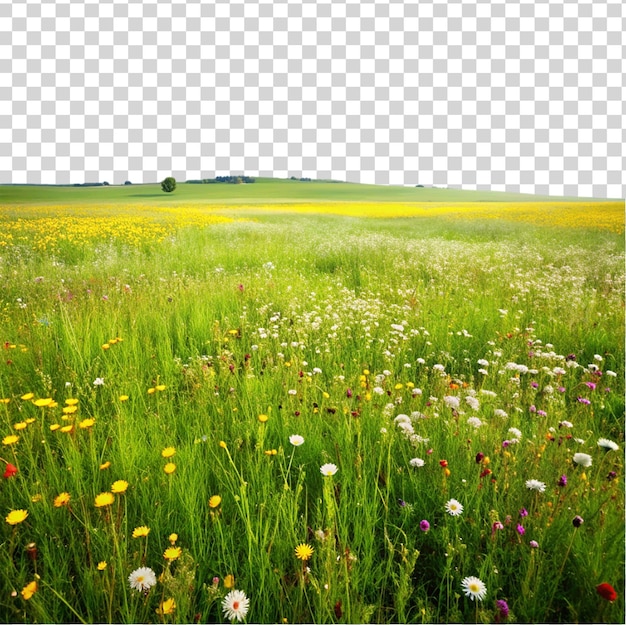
(104, 499)
(29, 590)
(71, 401)
(86, 423)
(169, 468)
(62, 500)
(20, 426)
(304, 552)
(102, 565)
(106, 346)
(173, 538)
(160, 387)
(223, 445)
(166, 607)
(36, 498)
(70, 409)
(151, 391)
(119, 487)
(172, 553)
(168, 452)
(16, 516)
(105, 465)
(5, 400)
(141, 531)
(27, 396)
(29, 420)
(229, 581)
(263, 418)
(52, 404)
(66, 429)
(54, 427)
(11, 439)
(123, 398)
(41, 403)
(215, 501)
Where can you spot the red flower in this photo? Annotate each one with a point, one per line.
(443, 463)
(606, 591)
(10, 471)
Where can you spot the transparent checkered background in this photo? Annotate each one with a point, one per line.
(518, 96)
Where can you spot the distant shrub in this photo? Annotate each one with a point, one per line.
(169, 184)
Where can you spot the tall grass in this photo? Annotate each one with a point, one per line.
(369, 340)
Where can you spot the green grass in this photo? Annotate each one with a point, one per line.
(283, 316)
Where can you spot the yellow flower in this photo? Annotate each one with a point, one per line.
(398, 386)
(169, 468)
(66, 429)
(263, 418)
(102, 565)
(104, 499)
(5, 400)
(29, 420)
(166, 607)
(223, 445)
(10, 439)
(20, 426)
(28, 396)
(141, 531)
(54, 426)
(16, 516)
(270, 452)
(61, 500)
(151, 390)
(168, 452)
(70, 409)
(173, 538)
(304, 552)
(29, 590)
(40, 403)
(123, 397)
(106, 346)
(172, 553)
(105, 465)
(215, 501)
(71, 401)
(86, 423)
(229, 581)
(160, 387)
(36, 498)
(118, 487)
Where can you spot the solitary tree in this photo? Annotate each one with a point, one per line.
(168, 185)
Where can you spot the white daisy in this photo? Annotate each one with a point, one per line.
(416, 462)
(142, 579)
(607, 444)
(474, 588)
(328, 469)
(535, 485)
(296, 440)
(474, 422)
(584, 460)
(235, 605)
(454, 508)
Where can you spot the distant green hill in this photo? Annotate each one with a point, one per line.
(263, 190)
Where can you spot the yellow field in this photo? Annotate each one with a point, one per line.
(45, 227)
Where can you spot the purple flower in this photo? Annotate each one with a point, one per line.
(520, 529)
(561, 389)
(402, 503)
(570, 357)
(503, 608)
(424, 525)
(534, 544)
(591, 385)
(584, 400)
(348, 393)
(505, 444)
(495, 527)
(577, 521)
(611, 476)
(563, 480)
(479, 457)
(532, 408)
(542, 413)
(523, 512)
(534, 384)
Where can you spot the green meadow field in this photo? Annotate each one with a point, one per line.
(310, 402)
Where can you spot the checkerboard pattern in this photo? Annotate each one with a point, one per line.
(515, 95)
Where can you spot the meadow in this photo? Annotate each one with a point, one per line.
(269, 408)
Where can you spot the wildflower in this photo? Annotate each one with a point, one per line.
(520, 529)
(584, 460)
(11, 439)
(102, 565)
(474, 588)
(424, 525)
(29, 590)
(479, 457)
(416, 462)
(304, 552)
(475, 422)
(168, 452)
(169, 468)
(98, 382)
(62, 500)
(105, 465)
(611, 475)
(607, 445)
(606, 591)
(535, 485)
(577, 521)
(566, 424)
(215, 501)
(119, 487)
(454, 508)
(16, 516)
(173, 538)
(223, 445)
(229, 581)
(104, 499)
(497, 525)
(534, 544)
(503, 608)
(443, 463)
(296, 440)
(123, 397)
(20, 426)
(583, 400)
(235, 605)
(328, 469)
(172, 553)
(142, 579)
(10, 470)
(523, 512)
(66, 429)
(141, 531)
(86, 423)
(27, 396)
(166, 607)
(263, 418)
